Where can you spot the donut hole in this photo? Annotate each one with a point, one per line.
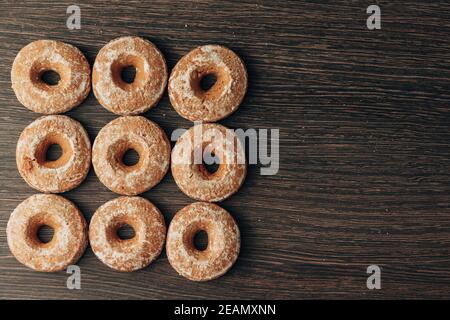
(54, 151)
(122, 232)
(41, 230)
(128, 72)
(208, 81)
(45, 233)
(211, 164)
(50, 77)
(200, 240)
(130, 157)
(125, 232)
(47, 75)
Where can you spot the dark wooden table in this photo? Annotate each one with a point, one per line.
(364, 119)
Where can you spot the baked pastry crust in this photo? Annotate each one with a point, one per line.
(131, 254)
(119, 136)
(148, 86)
(193, 178)
(223, 241)
(223, 98)
(63, 174)
(70, 233)
(48, 55)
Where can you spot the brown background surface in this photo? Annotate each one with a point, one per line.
(364, 151)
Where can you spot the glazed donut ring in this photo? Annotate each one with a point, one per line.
(222, 99)
(59, 175)
(40, 56)
(148, 86)
(131, 254)
(119, 136)
(190, 173)
(223, 241)
(70, 233)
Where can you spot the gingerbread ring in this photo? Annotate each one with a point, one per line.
(60, 175)
(223, 241)
(223, 98)
(130, 254)
(131, 133)
(189, 171)
(41, 56)
(69, 240)
(147, 88)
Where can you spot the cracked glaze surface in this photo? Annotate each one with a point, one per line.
(148, 86)
(192, 177)
(45, 55)
(63, 174)
(223, 241)
(223, 98)
(132, 254)
(120, 135)
(70, 233)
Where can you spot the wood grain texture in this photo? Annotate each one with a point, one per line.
(364, 145)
